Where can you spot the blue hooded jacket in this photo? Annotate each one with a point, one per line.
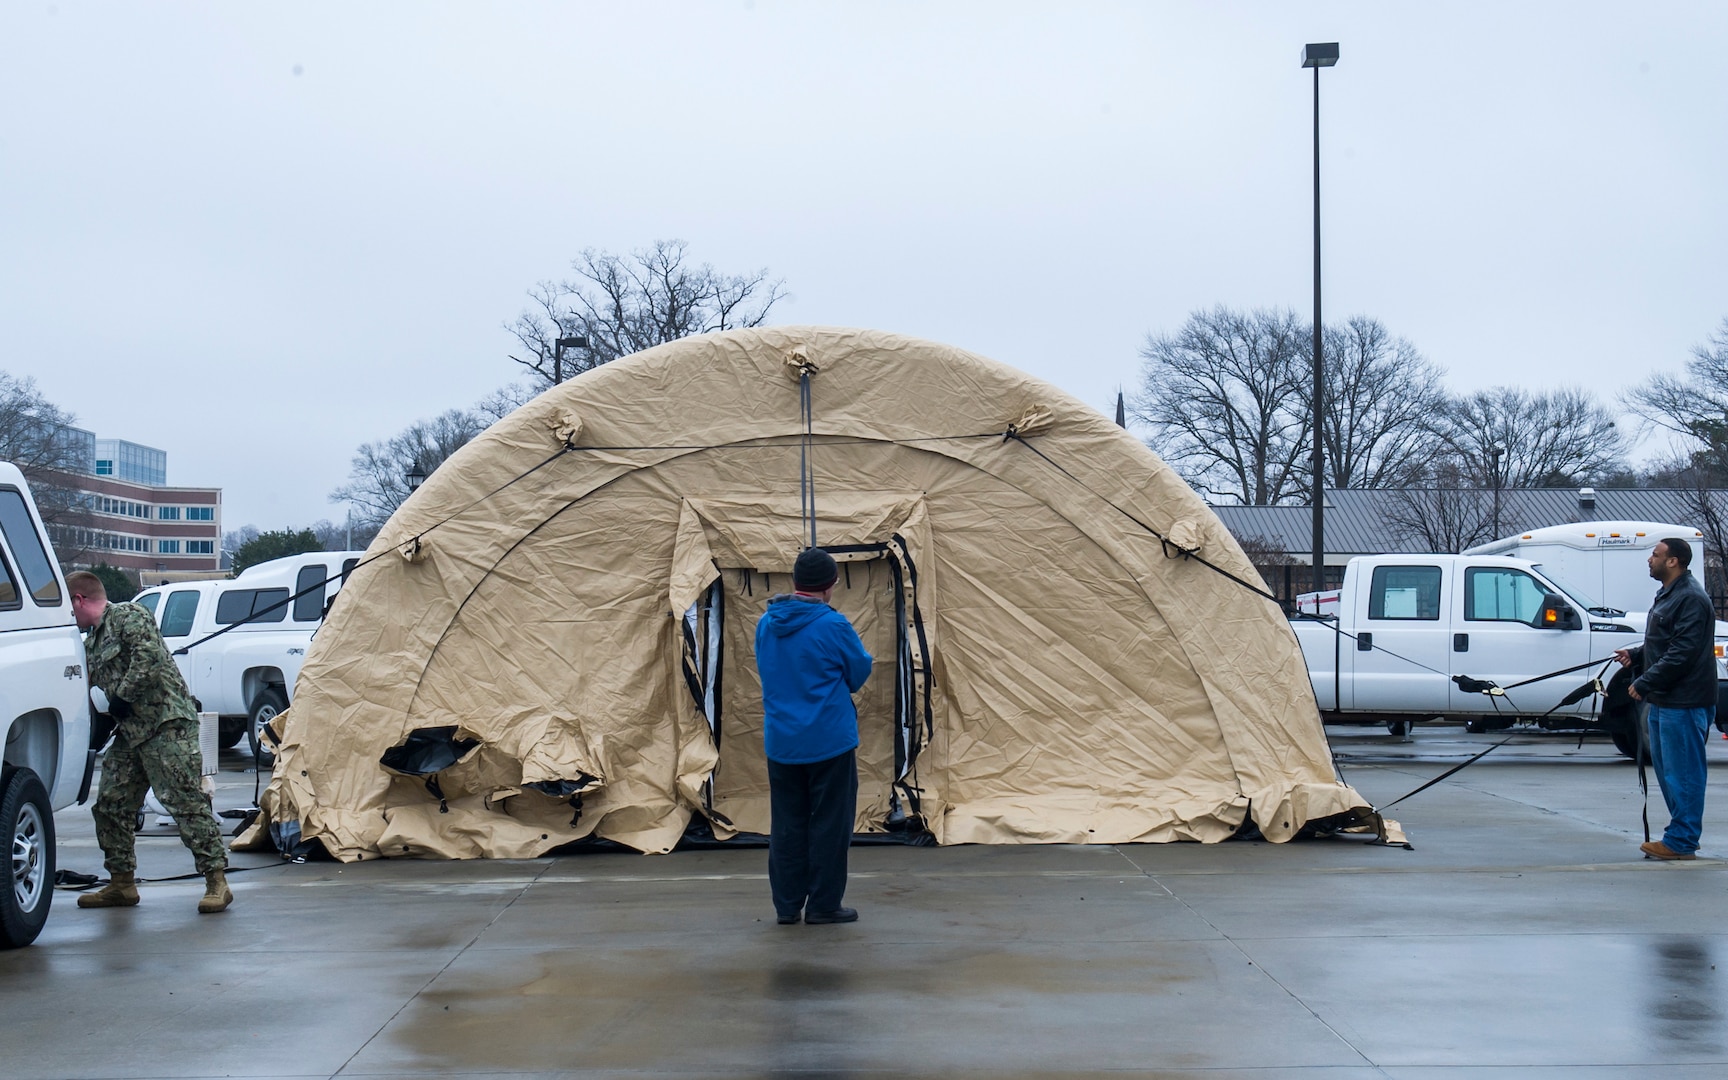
(811, 662)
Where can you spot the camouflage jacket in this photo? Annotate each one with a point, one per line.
(129, 661)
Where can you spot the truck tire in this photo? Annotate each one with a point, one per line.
(230, 730)
(28, 891)
(264, 709)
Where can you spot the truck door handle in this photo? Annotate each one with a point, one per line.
(1460, 642)
(1364, 642)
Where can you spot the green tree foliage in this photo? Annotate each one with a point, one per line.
(117, 583)
(277, 544)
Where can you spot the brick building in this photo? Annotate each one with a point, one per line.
(122, 511)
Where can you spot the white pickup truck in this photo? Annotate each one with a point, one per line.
(44, 710)
(1387, 646)
(247, 674)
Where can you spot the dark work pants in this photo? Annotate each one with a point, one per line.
(812, 806)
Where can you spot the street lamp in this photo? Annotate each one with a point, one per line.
(416, 476)
(558, 347)
(1317, 56)
(1496, 453)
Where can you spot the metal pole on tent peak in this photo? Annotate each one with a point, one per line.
(806, 467)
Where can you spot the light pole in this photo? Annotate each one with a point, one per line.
(1496, 452)
(1317, 56)
(416, 476)
(558, 347)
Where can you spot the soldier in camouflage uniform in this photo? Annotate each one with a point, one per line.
(155, 746)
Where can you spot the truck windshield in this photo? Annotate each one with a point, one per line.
(1578, 597)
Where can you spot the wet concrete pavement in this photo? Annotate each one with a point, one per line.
(1522, 937)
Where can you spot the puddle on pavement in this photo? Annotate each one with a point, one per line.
(1682, 996)
(784, 1007)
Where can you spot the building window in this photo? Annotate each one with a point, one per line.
(104, 467)
(200, 513)
(167, 547)
(200, 547)
(167, 513)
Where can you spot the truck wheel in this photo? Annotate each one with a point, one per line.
(28, 892)
(264, 710)
(1400, 728)
(230, 731)
(1625, 741)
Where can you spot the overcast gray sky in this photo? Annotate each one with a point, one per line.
(256, 235)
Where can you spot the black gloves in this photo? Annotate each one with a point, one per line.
(119, 710)
(101, 729)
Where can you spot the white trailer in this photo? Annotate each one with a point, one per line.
(1600, 562)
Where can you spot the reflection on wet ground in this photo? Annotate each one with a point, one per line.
(1684, 992)
(1523, 936)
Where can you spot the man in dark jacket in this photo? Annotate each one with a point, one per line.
(811, 663)
(1677, 679)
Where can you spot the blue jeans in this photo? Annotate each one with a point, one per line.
(1677, 739)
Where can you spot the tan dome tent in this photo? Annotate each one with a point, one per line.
(552, 639)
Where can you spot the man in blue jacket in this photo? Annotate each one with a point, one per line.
(1677, 679)
(811, 663)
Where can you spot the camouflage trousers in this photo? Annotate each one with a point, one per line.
(170, 762)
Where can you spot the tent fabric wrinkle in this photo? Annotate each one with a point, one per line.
(1067, 651)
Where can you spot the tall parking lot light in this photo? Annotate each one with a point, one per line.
(1317, 56)
(1496, 452)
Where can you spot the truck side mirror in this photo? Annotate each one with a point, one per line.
(1557, 614)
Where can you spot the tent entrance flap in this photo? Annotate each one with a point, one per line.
(720, 672)
(731, 556)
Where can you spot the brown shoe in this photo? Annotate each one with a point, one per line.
(217, 895)
(121, 891)
(1656, 849)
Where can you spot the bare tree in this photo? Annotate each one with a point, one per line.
(37, 436)
(626, 303)
(1694, 407)
(378, 477)
(1442, 519)
(1382, 396)
(1552, 439)
(1224, 399)
(504, 401)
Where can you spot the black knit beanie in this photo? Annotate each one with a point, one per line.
(814, 571)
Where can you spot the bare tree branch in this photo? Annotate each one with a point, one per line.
(377, 479)
(1381, 398)
(1695, 408)
(1556, 439)
(624, 304)
(1223, 398)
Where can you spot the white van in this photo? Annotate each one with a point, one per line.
(44, 710)
(267, 617)
(1601, 562)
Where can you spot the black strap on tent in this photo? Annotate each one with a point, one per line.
(254, 616)
(1343, 633)
(1594, 686)
(1168, 545)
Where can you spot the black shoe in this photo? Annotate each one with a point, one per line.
(788, 920)
(845, 914)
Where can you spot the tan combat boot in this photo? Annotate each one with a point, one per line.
(121, 891)
(217, 895)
